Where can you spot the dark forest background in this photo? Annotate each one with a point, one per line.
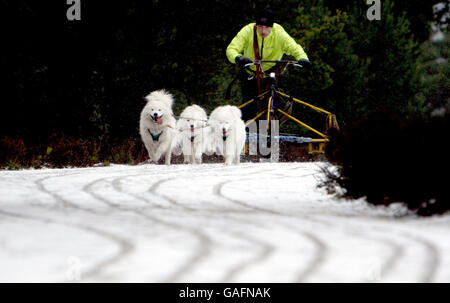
(86, 79)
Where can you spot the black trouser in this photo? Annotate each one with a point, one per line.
(249, 89)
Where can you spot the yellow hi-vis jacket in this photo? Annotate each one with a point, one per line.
(277, 43)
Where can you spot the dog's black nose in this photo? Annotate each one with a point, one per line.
(192, 125)
(155, 115)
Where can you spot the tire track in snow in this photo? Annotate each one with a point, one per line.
(397, 250)
(427, 275)
(433, 259)
(397, 253)
(125, 247)
(217, 190)
(320, 246)
(205, 242)
(65, 203)
(387, 267)
(321, 249)
(154, 188)
(118, 187)
(365, 233)
(433, 255)
(306, 272)
(318, 257)
(59, 199)
(266, 249)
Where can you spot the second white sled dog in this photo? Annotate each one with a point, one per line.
(193, 134)
(157, 125)
(228, 132)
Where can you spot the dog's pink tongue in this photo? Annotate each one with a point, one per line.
(159, 120)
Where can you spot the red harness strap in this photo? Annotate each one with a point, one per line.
(257, 57)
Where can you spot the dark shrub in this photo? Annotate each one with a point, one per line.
(61, 151)
(66, 151)
(388, 158)
(126, 152)
(11, 152)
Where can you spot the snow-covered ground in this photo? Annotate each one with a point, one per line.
(257, 222)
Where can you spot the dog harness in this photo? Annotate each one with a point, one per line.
(154, 137)
(192, 134)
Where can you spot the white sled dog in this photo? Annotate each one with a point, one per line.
(157, 125)
(228, 132)
(193, 133)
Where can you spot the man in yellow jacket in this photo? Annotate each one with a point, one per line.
(262, 40)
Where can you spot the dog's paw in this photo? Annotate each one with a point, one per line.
(157, 157)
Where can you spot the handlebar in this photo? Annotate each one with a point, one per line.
(285, 62)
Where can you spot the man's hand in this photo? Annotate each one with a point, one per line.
(242, 61)
(305, 63)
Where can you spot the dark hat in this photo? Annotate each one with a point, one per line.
(265, 17)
